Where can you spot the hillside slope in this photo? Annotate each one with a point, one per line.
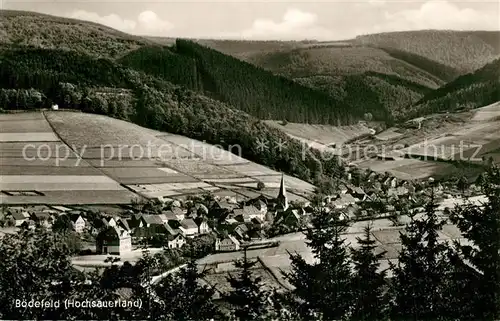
(23, 28)
(369, 79)
(244, 86)
(464, 50)
(477, 89)
(389, 71)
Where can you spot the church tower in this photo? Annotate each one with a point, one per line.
(282, 200)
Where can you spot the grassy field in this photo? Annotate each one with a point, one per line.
(116, 152)
(488, 113)
(48, 166)
(323, 134)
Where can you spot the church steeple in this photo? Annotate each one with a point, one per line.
(282, 199)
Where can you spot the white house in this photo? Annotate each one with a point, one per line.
(229, 243)
(176, 241)
(78, 223)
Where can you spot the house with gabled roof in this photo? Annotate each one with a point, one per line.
(135, 221)
(248, 212)
(175, 241)
(188, 227)
(391, 182)
(257, 223)
(113, 240)
(77, 222)
(108, 221)
(259, 203)
(121, 222)
(343, 201)
(151, 225)
(20, 217)
(170, 215)
(28, 224)
(241, 231)
(227, 243)
(42, 218)
(291, 218)
(356, 192)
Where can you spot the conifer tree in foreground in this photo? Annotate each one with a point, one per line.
(184, 298)
(323, 289)
(480, 225)
(419, 273)
(248, 298)
(370, 301)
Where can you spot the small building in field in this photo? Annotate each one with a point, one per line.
(228, 243)
(113, 240)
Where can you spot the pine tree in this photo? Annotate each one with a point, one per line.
(184, 298)
(323, 288)
(421, 268)
(370, 301)
(480, 224)
(248, 298)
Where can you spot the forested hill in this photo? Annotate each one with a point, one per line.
(389, 72)
(34, 78)
(23, 28)
(465, 51)
(244, 86)
(477, 89)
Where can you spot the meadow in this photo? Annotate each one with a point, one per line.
(121, 161)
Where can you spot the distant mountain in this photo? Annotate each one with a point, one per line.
(389, 72)
(473, 90)
(464, 51)
(381, 82)
(315, 82)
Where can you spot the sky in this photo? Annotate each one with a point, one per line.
(270, 20)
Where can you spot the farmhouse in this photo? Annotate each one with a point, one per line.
(228, 243)
(42, 218)
(20, 217)
(113, 240)
(189, 227)
(248, 213)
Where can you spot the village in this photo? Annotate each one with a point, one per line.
(226, 223)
